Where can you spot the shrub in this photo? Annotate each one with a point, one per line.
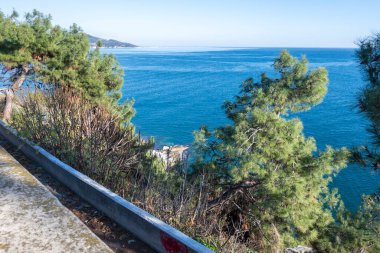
(89, 137)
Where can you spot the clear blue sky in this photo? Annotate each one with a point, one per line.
(269, 23)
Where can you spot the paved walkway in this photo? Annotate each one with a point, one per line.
(33, 220)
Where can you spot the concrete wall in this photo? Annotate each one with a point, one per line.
(145, 226)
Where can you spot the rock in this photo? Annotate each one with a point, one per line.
(171, 155)
(300, 249)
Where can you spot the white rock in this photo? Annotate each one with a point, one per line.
(300, 249)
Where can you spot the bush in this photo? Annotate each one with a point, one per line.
(84, 135)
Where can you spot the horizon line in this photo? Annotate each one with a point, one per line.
(243, 47)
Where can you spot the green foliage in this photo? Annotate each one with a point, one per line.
(368, 56)
(21, 42)
(353, 232)
(264, 167)
(61, 58)
(361, 228)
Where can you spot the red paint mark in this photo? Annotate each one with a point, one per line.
(171, 245)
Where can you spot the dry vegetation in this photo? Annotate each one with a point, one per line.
(94, 141)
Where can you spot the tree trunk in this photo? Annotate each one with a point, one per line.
(20, 80)
(9, 93)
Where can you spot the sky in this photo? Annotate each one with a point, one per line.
(225, 23)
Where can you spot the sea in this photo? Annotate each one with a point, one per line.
(176, 90)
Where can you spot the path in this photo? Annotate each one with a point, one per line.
(33, 220)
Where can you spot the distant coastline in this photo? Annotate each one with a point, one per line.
(108, 43)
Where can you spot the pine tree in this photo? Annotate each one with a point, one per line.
(368, 56)
(265, 171)
(362, 229)
(51, 56)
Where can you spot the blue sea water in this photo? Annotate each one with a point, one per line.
(176, 90)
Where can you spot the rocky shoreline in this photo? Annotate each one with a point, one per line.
(172, 155)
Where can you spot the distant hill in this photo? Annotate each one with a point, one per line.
(108, 43)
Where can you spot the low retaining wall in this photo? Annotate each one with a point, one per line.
(145, 226)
